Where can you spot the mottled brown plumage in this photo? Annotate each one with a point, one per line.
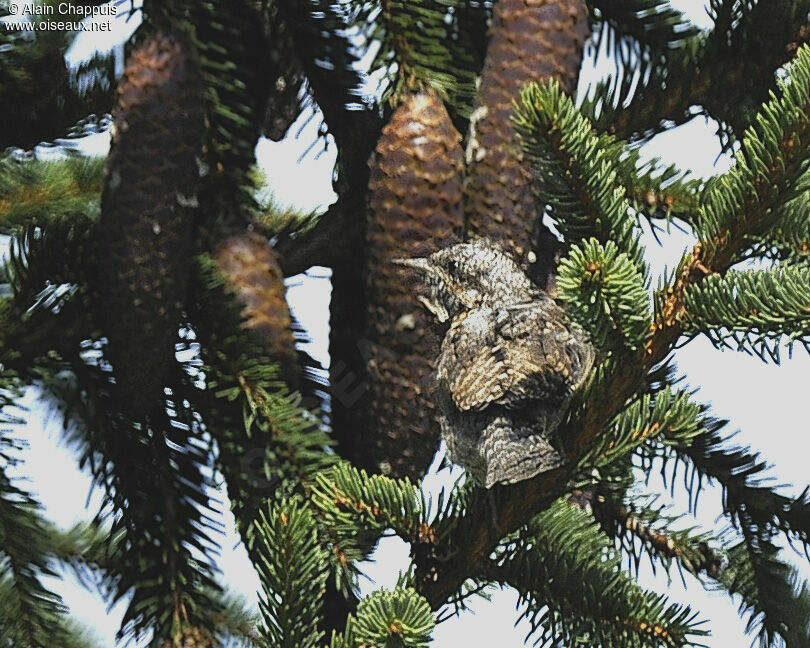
(509, 363)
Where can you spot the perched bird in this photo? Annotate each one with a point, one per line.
(509, 362)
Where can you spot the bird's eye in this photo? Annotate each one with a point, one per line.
(452, 265)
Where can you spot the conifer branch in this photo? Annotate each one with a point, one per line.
(31, 192)
(89, 550)
(669, 414)
(653, 190)
(747, 500)
(563, 552)
(349, 498)
(34, 74)
(716, 254)
(233, 51)
(158, 534)
(743, 202)
(772, 593)
(753, 310)
(333, 240)
(575, 175)
(418, 49)
(329, 60)
(789, 239)
(704, 70)
(625, 521)
(293, 571)
(398, 618)
(652, 24)
(269, 445)
(46, 312)
(605, 294)
(32, 612)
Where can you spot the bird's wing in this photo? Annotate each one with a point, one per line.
(511, 355)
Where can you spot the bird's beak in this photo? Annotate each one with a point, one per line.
(420, 264)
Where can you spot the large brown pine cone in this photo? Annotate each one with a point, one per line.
(415, 195)
(530, 40)
(148, 207)
(252, 272)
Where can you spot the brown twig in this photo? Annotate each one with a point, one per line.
(331, 241)
(696, 558)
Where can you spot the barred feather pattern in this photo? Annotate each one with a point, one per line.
(148, 206)
(509, 363)
(530, 40)
(415, 199)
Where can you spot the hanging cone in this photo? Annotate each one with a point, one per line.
(148, 207)
(415, 194)
(252, 272)
(530, 40)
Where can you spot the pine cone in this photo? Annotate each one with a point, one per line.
(252, 272)
(148, 207)
(415, 192)
(530, 40)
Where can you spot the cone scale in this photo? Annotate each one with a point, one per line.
(530, 40)
(415, 200)
(252, 272)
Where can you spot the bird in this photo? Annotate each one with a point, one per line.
(508, 365)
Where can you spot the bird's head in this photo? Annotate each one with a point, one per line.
(467, 275)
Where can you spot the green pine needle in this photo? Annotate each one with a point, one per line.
(669, 414)
(569, 576)
(576, 173)
(401, 618)
(754, 311)
(746, 200)
(293, 572)
(606, 295)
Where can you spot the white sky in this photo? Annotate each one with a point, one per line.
(764, 401)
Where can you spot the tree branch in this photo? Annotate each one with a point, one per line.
(616, 518)
(331, 241)
(726, 85)
(469, 543)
